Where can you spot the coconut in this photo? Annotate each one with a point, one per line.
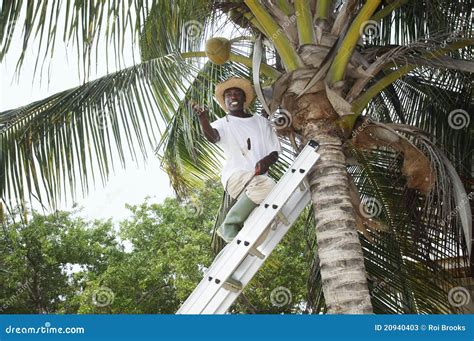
(218, 50)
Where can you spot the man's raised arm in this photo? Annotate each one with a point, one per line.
(211, 134)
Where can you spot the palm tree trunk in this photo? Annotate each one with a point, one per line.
(342, 263)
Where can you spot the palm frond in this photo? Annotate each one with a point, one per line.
(416, 21)
(83, 24)
(175, 26)
(433, 100)
(52, 146)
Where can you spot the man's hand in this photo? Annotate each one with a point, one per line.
(264, 164)
(211, 134)
(198, 110)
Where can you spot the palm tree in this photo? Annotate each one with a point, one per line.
(384, 86)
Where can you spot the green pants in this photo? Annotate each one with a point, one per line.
(235, 218)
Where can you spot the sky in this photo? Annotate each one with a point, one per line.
(129, 186)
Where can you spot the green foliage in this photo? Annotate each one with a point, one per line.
(162, 254)
(38, 257)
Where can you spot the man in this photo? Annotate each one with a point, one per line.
(250, 145)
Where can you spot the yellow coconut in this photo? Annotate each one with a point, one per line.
(218, 50)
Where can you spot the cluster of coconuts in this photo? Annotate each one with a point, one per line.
(218, 50)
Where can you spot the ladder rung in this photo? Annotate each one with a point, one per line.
(232, 285)
(283, 218)
(254, 252)
(304, 185)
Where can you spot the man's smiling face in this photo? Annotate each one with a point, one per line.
(234, 99)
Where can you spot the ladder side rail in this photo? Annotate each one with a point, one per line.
(250, 266)
(214, 278)
(266, 212)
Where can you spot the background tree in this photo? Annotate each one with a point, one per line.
(62, 264)
(39, 259)
(326, 70)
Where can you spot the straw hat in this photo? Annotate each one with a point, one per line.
(235, 82)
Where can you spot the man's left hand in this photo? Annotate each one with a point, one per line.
(264, 164)
(261, 167)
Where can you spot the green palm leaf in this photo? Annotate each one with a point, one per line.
(83, 24)
(65, 139)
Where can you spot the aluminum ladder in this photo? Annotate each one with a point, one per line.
(240, 260)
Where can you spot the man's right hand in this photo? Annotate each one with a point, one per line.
(198, 110)
(212, 135)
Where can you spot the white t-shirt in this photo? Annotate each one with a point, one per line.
(245, 141)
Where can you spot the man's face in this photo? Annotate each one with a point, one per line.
(234, 99)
